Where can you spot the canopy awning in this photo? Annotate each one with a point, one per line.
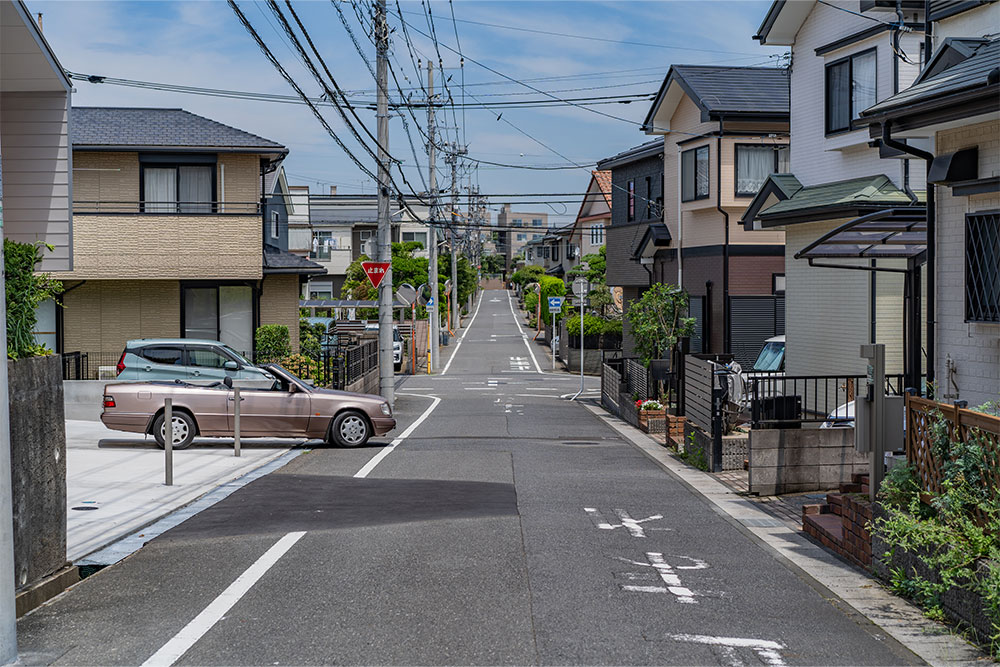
(894, 233)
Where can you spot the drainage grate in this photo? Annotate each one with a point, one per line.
(86, 507)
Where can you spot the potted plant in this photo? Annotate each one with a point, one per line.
(648, 410)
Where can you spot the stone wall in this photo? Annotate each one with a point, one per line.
(38, 468)
(796, 460)
(734, 447)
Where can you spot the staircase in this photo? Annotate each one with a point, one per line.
(841, 523)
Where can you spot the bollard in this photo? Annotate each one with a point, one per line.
(168, 440)
(236, 421)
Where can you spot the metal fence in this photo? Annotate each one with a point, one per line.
(788, 401)
(623, 381)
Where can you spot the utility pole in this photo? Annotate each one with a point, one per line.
(452, 159)
(432, 234)
(8, 613)
(384, 235)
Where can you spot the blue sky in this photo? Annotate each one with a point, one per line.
(203, 44)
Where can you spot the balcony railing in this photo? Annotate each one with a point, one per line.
(166, 208)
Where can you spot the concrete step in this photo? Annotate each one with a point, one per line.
(829, 526)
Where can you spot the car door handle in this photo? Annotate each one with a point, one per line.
(148, 368)
(234, 400)
(196, 373)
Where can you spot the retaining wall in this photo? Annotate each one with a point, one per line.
(796, 460)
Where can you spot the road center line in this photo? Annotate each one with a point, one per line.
(524, 336)
(375, 460)
(462, 339)
(172, 651)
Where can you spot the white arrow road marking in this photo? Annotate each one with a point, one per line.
(766, 650)
(172, 651)
(524, 336)
(672, 583)
(633, 526)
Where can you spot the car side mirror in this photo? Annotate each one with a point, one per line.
(231, 366)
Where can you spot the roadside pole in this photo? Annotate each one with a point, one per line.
(8, 612)
(413, 336)
(168, 441)
(553, 338)
(384, 236)
(580, 289)
(433, 316)
(236, 421)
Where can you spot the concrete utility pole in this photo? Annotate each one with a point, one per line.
(452, 159)
(384, 235)
(432, 235)
(8, 613)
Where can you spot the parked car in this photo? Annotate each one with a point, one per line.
(184, 359)
(772, 356)
(397, 344)
(288, 408)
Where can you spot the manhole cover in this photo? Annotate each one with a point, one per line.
(86, 507)
(582, 443)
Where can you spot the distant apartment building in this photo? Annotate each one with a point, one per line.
(510, 241)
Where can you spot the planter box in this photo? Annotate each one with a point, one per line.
(653, 421)
(675, 426)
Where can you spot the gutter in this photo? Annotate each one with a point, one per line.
(928, 158)
(726, 315)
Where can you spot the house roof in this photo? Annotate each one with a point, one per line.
(656, 236)
(721, 91)
(282, 261)
(27, 61)
(603, 179)
(157, 128)
(832, 199)
(959, 65)
(782, 21)
(634, 154)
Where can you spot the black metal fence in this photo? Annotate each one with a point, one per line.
(788, 401)
(623, 381)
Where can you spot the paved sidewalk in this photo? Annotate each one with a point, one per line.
(115, 480)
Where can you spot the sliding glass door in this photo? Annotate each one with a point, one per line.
(220, 312)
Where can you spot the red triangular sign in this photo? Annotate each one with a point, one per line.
(375, 271)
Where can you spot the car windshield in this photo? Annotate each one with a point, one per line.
(395, 332)
(283, 377)
(239, 357)
(770, 357)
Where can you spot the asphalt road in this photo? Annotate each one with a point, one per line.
(511, 526)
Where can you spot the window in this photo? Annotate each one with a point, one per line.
(777, 283)
(850, 89)
(982, 267)
(754, 163)
(597, 234)
(545, 252)
(517, 222)
(321, 244)
(206, 358)
(173, 356)
(631, 201)
(694, 174)
(522, 237)
(367, 242)
(535, 237)
(220, 312)
(178, 188)
(536, 222)
(415, 237)
(555, 253)
(274, 224)
(649, 198)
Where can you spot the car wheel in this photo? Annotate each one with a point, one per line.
(183, 430)
(350, 429)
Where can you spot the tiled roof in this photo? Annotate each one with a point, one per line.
(970, 73)
(603, 178)
(870, 191)
(140, 127)
(737, 89)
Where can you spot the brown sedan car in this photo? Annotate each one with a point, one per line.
(289, 408)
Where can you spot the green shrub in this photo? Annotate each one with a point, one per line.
(550, 286)
(311, 338)
(531, 302)
(273, 343)
(592, 325)
(527, 274)
(25, 291)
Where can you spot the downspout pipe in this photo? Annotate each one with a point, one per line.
(928, 158)
(726, 315)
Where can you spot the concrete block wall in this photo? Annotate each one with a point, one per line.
(797, 460)
(38, 468)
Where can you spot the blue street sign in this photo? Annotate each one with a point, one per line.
(555, 304)
(431, 303)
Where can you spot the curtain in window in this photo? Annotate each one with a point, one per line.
(784, 161)
(201, 313)
(236, 317)
(863, 85)
(160, 189)
(196, 189)
(701, 172)
(753, 165)
(838, 90)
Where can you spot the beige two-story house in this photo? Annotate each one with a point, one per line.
(169, 234)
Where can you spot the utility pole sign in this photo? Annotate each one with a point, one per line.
(375, 271)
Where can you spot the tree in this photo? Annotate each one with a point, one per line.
(493, 264)
(527, 274)
(25, 291)
(657, 322)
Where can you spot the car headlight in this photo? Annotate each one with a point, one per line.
(386, 410)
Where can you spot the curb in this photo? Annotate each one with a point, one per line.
(838, 582)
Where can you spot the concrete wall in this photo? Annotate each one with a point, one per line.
(974, 347)
(796, 460)
(38, 468)
(100, 315)
(38, 173)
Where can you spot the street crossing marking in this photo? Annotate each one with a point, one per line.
(666, 573)
(172, 651)
(768, 652)
(633, 526)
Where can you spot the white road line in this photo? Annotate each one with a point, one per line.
(524, 336)
(375, 460)
(767, 651)
(172, 651)
(462, 339)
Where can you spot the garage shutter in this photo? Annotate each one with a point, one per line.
(754, 319)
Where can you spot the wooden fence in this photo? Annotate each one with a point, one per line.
(919, 439)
